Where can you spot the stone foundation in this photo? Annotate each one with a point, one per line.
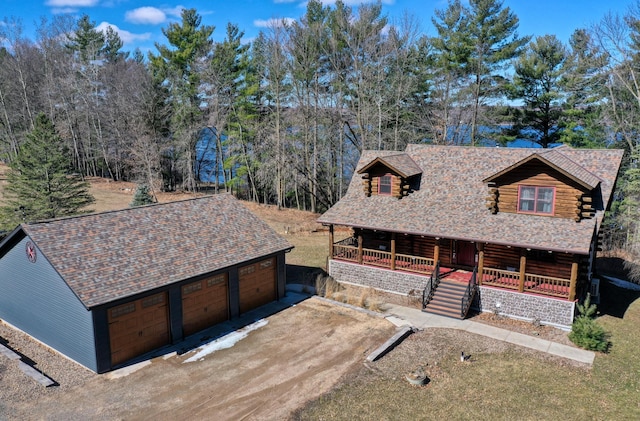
(549, 311)
(378, 278)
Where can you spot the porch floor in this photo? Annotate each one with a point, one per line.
(456, 275)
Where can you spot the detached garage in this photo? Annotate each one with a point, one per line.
(105, 288)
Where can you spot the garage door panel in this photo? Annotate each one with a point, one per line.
(257, 284)
(205, 303)
(138, 327)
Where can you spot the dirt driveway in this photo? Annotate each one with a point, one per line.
(299, 354)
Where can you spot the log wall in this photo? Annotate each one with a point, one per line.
(501, 257)
(536, 173)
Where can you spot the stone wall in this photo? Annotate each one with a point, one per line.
(548, 310)
(378, 278)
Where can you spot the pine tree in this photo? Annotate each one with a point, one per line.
(39, 183)
(142, 196)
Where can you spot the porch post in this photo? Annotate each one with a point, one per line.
(523, 266)
(480, 262)
(331, 241)
(360, 248)
(393, 251)
(574, 277)
(436, 252)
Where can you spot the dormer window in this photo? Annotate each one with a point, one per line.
(384, 187)
(536, 199)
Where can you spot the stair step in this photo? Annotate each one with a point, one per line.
(453, 301)
(443, 312)
(452, 286)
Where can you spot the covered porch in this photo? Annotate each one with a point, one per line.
(503, 267)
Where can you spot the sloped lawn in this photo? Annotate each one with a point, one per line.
(500, 382)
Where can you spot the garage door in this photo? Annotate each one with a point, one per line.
(257, 284)
(138, 327)
(204, 303)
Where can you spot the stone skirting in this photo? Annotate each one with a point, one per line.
(378, 278)
(549, 311)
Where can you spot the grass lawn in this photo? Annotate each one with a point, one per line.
(499, 383)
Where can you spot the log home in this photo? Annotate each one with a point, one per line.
(511, 230)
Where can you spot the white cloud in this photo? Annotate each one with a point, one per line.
(273, 22)
(71, 3)
(174, 11)
(126, 36)
(145, 15)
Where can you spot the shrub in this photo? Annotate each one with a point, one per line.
(142, 196)
(585, 331)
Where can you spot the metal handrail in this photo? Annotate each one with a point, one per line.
(469, 293)
(432, 284)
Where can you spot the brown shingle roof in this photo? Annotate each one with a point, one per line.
(112, 255)
(451, 200)
(402, 164)
(556, 159)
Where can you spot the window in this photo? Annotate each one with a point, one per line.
(216, 280)
(122, 310)
(153, 300)
(188, 289)
(384, 186)
(533, 199)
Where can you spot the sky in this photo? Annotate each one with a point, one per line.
(140, 22)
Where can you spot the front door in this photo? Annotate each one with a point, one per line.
(466, 253)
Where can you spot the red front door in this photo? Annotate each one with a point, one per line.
(466, 253)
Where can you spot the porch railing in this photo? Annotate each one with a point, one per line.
(547, 285)
(500, 278)
(376, 258)
(344, 252)
(414, 263)
(347, 249)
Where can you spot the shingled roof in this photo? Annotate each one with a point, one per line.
(560, 162)
(450, 201)
(112, 255)
(401, 164)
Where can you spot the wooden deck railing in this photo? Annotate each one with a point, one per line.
(349, 253)
(500, 278)
(414, 263)
(376, 258)
(547, 285)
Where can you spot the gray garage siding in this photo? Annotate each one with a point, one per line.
(36, 300)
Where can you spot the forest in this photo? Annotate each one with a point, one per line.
(282, 119)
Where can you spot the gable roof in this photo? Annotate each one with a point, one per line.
(451, 200)
(556, 159)
(401, 164)
(107, 256)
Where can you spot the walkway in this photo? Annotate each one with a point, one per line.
(403, 316)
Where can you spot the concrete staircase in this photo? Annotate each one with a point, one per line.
(447, 299)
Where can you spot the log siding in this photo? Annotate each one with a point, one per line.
(537, 174)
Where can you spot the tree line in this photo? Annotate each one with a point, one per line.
(282, 119)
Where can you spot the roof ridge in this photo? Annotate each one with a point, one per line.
(105, 212)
